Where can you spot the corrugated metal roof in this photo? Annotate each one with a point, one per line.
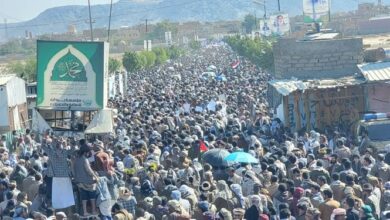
(5, 78)
(285, 87)
(375, 71)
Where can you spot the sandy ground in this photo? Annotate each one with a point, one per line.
(375, 41)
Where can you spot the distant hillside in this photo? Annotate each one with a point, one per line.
(131, 12)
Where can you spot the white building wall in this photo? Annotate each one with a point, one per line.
(3, 107)
(16, 90)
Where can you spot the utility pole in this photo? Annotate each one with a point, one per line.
(279, 5)
(90, 19)
(109, 23)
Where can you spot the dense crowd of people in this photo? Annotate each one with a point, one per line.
(152, 167)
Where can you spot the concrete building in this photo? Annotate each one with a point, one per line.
(317, 83)
(325, 85)
(317, 56)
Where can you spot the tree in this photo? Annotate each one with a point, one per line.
(259, 51)
(25, 69)
(161, 55)
(132, 62)
(113, 65)
(148, 57)
(249, 23)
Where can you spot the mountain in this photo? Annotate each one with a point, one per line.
(132, 12)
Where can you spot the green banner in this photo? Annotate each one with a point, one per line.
(72, 75)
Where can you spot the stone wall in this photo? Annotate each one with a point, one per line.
(317, 59)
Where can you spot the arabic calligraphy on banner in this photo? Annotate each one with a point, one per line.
(72, 75)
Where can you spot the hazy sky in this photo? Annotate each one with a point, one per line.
(21, 10)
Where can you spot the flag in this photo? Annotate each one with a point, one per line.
(235, 64)
(203, 147)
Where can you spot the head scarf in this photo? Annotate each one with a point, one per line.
(176, 195)
(298, 194)
(367, 211)
(256, 201)
(186, 191)
(223, 190)
(237, 190)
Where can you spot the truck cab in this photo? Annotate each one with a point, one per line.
(378, 128)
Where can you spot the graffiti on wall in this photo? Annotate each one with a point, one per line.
(326, 109)
(338, 108)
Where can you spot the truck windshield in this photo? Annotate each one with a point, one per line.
(379, 132)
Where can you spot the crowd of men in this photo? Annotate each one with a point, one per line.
(152, 167)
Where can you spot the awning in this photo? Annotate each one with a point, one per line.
(102, 123)
(39, 124)
(285, 87)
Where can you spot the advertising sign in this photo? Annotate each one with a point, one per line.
(280, 24)
(265, 28)
(276, 25)
(315, 10)
(72, 75)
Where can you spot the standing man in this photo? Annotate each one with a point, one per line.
(326, 208)
(59, 185)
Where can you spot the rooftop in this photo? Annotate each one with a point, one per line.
(5, 78)
(285, 87)
(375, 71)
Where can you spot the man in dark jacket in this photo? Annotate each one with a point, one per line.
(352, 213)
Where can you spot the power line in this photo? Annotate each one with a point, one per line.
(103, 17)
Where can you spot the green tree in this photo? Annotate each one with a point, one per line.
(249, 23)
(161, 55)
(259, 51)
(113, 65)
(148, 57)
(25, 69)
(132, 62)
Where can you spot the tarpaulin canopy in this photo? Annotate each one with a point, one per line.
(102, 123)
(39, 124)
